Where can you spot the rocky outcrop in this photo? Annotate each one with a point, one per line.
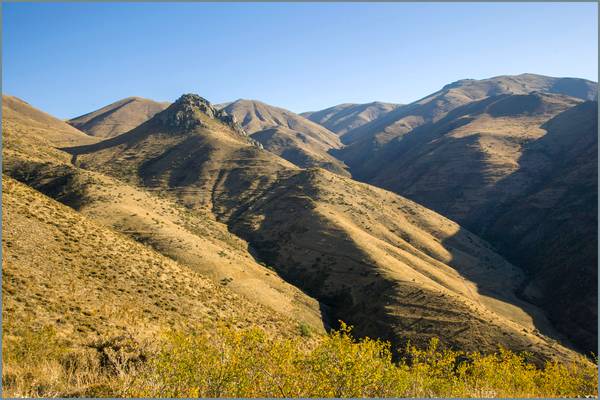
(185, 114)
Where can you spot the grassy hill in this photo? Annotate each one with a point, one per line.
(195, 239)
(118, 117)
(288, 135)
(346, 117)
(392, 260)
(27, 130)
(519, 170)
(69, 275)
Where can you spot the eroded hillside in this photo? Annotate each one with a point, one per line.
(288, 135)
(390, 267)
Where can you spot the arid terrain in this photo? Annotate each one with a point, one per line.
(469, 216)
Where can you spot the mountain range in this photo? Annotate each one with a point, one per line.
(469, 215)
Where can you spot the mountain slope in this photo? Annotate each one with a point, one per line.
(82, 304)
(118, 117)
(346, 117)
(550, 226)
(464, 154)
(504, 167)
(378, 261)
(288, 135)
(26, 129)
(195, 240)
(433, 107)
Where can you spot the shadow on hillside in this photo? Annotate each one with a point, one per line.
(549, 226)
(542, 218)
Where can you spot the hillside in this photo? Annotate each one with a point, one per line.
(26, 129)
(90, 281)
(465, 153)
(195, 240)
(118, 117)
(346, 117)
(97, 290)
(392, 268)
(551, 225)
(365, 140)
(287, 134)
(482, 158)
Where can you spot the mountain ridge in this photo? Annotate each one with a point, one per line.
(254, 192)
(118, 117)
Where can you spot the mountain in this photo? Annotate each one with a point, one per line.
(118, 117)
(346, 117)
(18, 115)
(550, 225)
(287, 134)
(520, 170)
(380, 262)
(197, 242)
(433, 107)
(31, 133)
(91, 280)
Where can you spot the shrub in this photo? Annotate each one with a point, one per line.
(225, 362)
(250, 363)
(304, 329)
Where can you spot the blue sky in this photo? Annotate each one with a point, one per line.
(69, 59)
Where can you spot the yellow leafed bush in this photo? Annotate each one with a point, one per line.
(251, 364)
(225, 362)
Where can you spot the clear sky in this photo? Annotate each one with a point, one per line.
(69, 59)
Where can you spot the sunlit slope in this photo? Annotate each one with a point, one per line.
(196, 239)
(30, 131)
(118, 117)
(64, 270)
(288, 135)
(392, 268)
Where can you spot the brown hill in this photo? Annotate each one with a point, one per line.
(105, 297)
(550, 226)
(196, 240)
(287, 134)
(464, 154)
(26, 129)
(118, 117)
(62, 269)
(516, 170)
(346, 117)
(376, 260)
(365, 140)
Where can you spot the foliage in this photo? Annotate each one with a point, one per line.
(226, 362)
(249, 363)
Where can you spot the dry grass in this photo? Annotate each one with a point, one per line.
(390, 267)
(118, 117)
(90, 283)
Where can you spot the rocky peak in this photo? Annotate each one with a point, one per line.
(186, 113)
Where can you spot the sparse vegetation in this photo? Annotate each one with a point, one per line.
(185, 309)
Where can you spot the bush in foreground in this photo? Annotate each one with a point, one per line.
(249, 363)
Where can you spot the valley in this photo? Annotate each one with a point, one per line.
(469, 216)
